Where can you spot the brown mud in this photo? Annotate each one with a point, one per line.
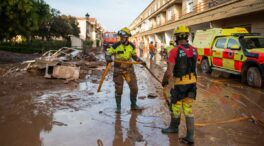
(47, 112)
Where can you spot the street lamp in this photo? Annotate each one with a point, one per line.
(87, 15)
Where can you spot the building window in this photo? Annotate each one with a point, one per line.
(170, 14)
(158, 20)
(189, 6)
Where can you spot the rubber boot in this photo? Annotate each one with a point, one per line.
(189, 139)
(174, 124)
(118, 104)
(133, 101)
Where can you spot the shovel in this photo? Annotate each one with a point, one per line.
(106, 71)
(103, 77)
(128, 62)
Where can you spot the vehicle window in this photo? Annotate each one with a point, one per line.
(115, 35)
(220, 43)
(105, 35)
(253, 43)
(110, 35)
(232, 42)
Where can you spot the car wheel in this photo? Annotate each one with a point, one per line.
(254, 77)
(205, 66)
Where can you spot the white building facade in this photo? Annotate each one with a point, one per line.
(157, 22)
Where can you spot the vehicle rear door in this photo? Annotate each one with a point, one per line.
(218, 48)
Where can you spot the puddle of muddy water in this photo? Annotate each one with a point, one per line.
(99, 120)
(130, 128)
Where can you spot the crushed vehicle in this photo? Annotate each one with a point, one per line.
(234, 51)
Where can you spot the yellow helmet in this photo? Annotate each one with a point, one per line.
(171, 42)
(181, 29)
(182, 32)
(124, 32)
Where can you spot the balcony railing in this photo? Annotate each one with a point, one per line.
(205, 5)
(214, 3)
(200, 7)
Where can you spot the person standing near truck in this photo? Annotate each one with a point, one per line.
(182, 67)
(152, 50)
(170, 47)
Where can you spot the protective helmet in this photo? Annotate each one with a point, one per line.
(124, 32)
(181, 29)
(171, 42)
(181, 32)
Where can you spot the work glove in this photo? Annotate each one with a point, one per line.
(165, 81)
(108, 59)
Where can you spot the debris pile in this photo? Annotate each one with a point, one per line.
(65, 63)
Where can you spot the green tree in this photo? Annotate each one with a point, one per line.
(75, 29)
(63, 26)
(44, 18)
(18, 17)
(34, 18)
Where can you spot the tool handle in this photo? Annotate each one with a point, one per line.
(103, 77)
(153, 74)
(128, 62)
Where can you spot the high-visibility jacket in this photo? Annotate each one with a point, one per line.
(169, 48)
(122, 52)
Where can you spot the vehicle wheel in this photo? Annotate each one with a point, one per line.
(254, 77)
(205, 66)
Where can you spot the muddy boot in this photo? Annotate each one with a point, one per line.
(118, 104)
(134, 103)
(174, 124)
(189, 139)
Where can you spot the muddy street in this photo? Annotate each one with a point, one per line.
(75, 114)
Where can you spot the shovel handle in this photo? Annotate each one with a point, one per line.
(152, 74)
(128, 62)
(103, 77)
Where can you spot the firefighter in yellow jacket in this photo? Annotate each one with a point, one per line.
(170, 47)
(123, 51)
(182, 67)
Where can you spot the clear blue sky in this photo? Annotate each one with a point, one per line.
(111, 14)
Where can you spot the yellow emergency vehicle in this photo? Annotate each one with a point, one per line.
(234, 51)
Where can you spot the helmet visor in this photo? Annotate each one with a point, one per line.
(122, 33)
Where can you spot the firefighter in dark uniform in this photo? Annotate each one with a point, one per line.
(124, 51)
(182, 68)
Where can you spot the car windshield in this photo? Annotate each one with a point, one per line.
(110, 35)
(253, 43)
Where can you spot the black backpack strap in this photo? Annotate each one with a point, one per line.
(116, 45)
